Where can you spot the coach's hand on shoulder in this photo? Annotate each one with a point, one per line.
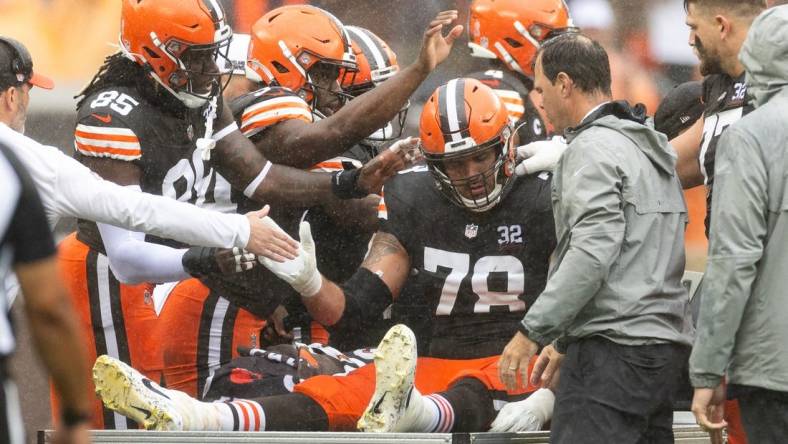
(402, 154)
(514, 361)
(435, 47)
(301, 273)
(542, 155)
(267, 239)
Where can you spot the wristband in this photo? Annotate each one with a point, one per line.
(344, 184)
(200, 261)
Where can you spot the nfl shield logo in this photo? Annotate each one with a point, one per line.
(471, 231)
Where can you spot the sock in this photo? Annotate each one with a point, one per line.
(431, 413)
(240, 415)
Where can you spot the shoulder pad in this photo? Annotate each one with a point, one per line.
(106, 125)
(406, 189)
(260, 109)
(509, 88)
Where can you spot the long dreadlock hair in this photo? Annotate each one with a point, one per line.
(120, 71)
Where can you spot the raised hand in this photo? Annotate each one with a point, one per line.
(435, 47)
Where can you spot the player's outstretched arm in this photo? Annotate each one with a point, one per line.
(247, 169)
(368, 292)
(302, 145)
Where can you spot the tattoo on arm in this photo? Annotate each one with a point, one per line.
(383, 245)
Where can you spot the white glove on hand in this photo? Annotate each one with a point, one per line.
(528, 415)
(539, 156)
(409, 148)
(301, 273)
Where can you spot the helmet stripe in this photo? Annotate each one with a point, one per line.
(454, 122)
(342, 31)
(369, 47)
(386, 55)
(217, 14)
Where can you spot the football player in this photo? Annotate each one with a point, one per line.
(508, 33)
(147, 120)
(724, 90)
(202, 323)
(193, 316)
(478, 255)
(717, 31)
(310, 98)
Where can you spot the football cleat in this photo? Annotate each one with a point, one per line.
(395, 368)
(129, 393)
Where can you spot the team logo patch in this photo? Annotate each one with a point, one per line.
(471, 230)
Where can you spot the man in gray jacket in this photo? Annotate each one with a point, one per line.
(614, 300)
(743, 325)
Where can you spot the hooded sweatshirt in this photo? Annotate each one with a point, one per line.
(743, 324)
(620, 217)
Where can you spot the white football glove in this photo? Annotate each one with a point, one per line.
(301, 273)
(538, 156)
(528, 415)
(409, 147)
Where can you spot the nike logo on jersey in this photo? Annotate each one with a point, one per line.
(722, 97)
(105, 119)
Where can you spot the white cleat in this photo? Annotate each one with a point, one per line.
(395, 367)
(128, 392)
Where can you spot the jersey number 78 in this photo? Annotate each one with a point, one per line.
(458, 266)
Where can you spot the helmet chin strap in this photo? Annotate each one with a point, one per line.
(191, 101)
(492, 199)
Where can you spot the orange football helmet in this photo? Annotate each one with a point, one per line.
(460, 120)
(512, 30)
(178, 41)
(288, 41)
(376, 62)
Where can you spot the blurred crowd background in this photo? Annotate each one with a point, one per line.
(646, 40)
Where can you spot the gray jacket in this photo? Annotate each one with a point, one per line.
(743, 325)
(620, 217)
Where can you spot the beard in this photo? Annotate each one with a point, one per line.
(710, 62)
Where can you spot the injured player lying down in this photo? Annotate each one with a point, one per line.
(475, 240)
